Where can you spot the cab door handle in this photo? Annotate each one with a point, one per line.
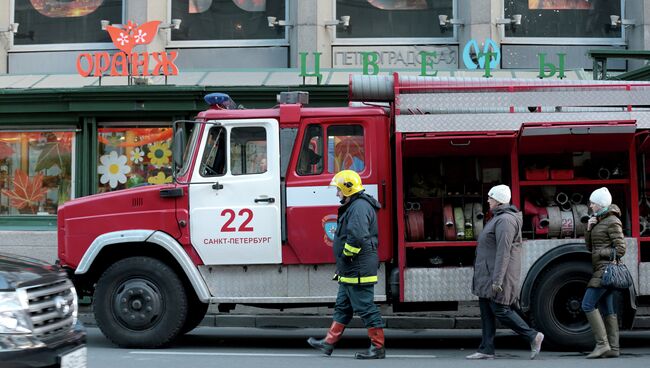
(268, 200)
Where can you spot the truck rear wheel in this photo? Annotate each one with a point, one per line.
(556, 306)
(140, 302)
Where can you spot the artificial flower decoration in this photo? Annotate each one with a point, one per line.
(159, 153)
(137, 155)
(26, 193)
(5, 150)
(113, 169)
(159, 179)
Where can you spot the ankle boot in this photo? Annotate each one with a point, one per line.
(611, 325)
(376, 349)
(326, 345)
(600, 334)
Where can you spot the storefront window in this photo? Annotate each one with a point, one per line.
(227, 19)
(131, 156)
(64, 21)
(563, 18)
(345, 148)
(392, 18)
(35, 172)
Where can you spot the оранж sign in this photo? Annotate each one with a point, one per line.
(126, 62)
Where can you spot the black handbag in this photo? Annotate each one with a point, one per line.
(616, 275)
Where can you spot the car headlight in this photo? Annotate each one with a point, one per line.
(13, 313)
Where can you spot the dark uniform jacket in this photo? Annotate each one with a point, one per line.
(498, 256)
(357, 228)
(606, 233)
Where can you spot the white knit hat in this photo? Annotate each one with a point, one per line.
(501, 193)
(601, 197)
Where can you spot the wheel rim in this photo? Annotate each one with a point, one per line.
(138, 304)
(566, 305)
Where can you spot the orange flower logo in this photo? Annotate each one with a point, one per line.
(129, 36)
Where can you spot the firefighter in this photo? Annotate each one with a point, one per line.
(355, 251)
(497, 269)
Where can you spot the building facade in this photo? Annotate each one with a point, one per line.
(75, 119)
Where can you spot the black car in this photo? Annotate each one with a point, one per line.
(38, 316)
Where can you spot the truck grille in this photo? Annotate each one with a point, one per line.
(52, 308)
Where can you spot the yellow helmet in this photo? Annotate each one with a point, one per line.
(348, 181)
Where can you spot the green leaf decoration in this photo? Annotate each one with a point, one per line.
(53, 154)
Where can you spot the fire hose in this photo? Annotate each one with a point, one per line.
(459, 216)
(469, 230)
(477, 219)
(448, 216)
(414, 222)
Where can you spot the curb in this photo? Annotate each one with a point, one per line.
(304, 321)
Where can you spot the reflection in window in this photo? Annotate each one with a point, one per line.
(310, 161)
(392, 18)
(214, 153)
(345, 148)
(563, 18)
(35, 172)
(132, 156)
(64, 21)
(560, 4)
(248, 151)
(227, 19)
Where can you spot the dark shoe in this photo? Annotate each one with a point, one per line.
(376, 349)
(373, 352)
(326, 345)
(321, 345)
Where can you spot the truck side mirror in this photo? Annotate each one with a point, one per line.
(178, 147)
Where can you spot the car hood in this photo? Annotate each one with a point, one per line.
(16, 271)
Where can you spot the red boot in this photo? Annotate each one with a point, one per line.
(376, 349)
(326, 345)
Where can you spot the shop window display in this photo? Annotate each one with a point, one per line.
(35, 172)
(64, 21)
(129, 157)
(227, 19)
(392, 18)
(563, 18)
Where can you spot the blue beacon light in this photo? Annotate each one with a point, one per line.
(220, 100)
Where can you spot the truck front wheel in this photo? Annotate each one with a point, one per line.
(556, 306)
(140, 302)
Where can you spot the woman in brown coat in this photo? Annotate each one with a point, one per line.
(604, 238)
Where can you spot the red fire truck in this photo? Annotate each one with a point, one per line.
(249, 218)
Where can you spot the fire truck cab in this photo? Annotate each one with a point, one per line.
(250, 217)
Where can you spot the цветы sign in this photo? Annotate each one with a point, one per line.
(125, 62)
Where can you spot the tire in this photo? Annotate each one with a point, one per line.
(557, 306)
(195, 314)
(140, 302)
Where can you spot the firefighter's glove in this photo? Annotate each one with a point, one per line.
(496, 288)
(350, 251)
(336, 276)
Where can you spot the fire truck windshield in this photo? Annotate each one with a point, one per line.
(189, 146)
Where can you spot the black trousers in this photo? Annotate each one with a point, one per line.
(490, 312)
(359, 299)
